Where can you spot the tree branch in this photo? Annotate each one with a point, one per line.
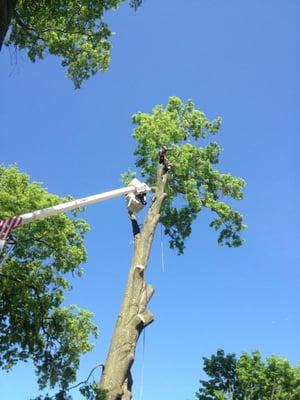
(88, 378)
(22, 24)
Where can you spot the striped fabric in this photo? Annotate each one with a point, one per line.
(7, 225)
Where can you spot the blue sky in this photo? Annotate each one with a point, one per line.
(236, 59)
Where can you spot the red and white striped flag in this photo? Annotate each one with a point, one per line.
(7, 225)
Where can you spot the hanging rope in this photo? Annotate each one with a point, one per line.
(143, 366)
(162, 249)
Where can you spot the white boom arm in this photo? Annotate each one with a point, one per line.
(136, 187)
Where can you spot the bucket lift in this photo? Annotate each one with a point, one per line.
(135, 202)
(135, 194)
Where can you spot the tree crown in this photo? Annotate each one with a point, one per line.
(72, 30)
(193, 183)
(249, 377)
(33, 322)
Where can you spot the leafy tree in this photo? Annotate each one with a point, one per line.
(73, 30)
(222, 384)
(184, 181)
(33, 323)
(275, 379)
(249, 378)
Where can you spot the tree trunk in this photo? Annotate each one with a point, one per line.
(134, 315)
(7, 8)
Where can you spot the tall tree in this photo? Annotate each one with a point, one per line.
(33, 278)
(73, 30)
(249, 378)
(184, 181)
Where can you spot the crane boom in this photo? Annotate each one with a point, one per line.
(135, 187)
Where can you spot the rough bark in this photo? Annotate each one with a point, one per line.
(7, 8)
(134, 315)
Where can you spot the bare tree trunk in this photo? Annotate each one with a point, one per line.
(134, 315)
(7, 8)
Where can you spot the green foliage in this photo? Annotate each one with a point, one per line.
(89, 391)
(221, 369)
(135, 3)
(127, 177)
(73, 30)
(93, 392)
(33, 324)
(249, 378)
(194, 183)
(276, 379)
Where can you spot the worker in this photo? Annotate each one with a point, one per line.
(142, 198)
(163, 158)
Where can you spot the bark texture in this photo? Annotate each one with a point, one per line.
(134, 315)
(7, 8)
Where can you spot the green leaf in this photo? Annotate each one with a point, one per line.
(74, 31)
(193, 183)
(33, 323)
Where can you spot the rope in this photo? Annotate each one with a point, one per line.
(162, 250)
(143, 366)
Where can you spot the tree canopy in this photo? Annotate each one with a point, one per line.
(73, 30)
(34, 324)
(193, 182)
(249, 378)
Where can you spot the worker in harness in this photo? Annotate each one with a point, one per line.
(163, 158)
